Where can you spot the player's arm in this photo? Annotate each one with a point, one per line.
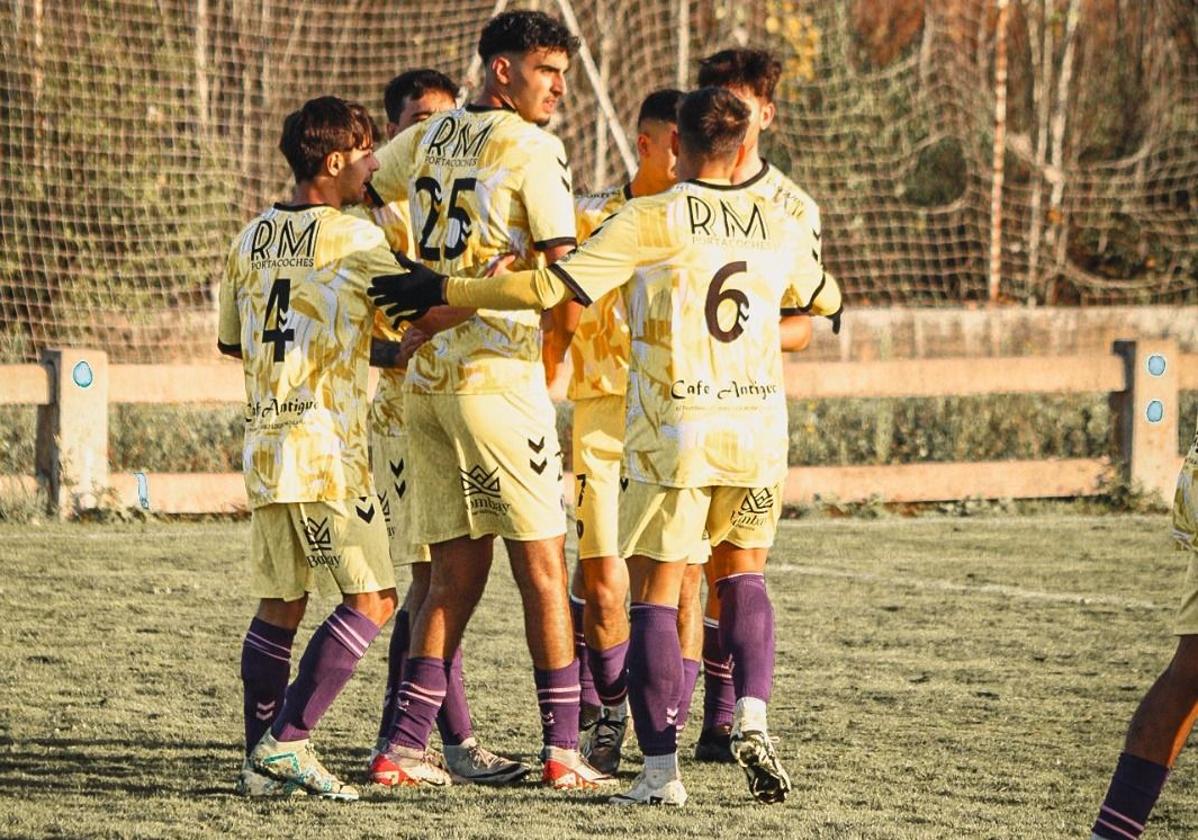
(794, 330)
(228, 334)
(385, 354)
(547, 193)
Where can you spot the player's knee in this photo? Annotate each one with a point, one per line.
(606, 599)
(1183, 669)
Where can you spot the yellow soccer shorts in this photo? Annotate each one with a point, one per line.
(485, 464)
(671, 523)
(336, 548)
(1185, 531)
(391, 465)
(598, 444)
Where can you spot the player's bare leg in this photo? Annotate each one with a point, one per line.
(605, 584)
(539, 569)
(690, 636)
(1158, 731)
(719, 695)
(655, 679)
(747, 635)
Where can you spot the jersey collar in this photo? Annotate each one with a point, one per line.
(482, 109)
(298, 208)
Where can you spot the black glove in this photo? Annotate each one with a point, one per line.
(406, 297)
(835, 319)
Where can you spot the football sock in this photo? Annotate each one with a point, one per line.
(654, 677)
(590, 697)
(1134, 790)
(453, 721)
(690, 676)
(607, 668)
(397, 654)
(326, 666)
(421, 694)
(719, 695)
(265, 669)
(747, 633)
(558, 697)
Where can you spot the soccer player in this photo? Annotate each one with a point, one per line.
(599, 354)
(1162, 723)
(753, 76)
(706, 267)
(293, 307)
(485, 181)
(410, 98)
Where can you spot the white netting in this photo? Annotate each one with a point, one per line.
(139, 134)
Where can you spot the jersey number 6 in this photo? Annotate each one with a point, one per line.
(717, 294)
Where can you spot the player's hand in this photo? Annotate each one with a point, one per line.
(500, 265)
(407, 296)
(413, 339)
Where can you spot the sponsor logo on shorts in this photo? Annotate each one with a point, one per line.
(385, 504)
(755, 509)
(481, 489)
(320, 544)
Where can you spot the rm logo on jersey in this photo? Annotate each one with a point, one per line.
(754, 510)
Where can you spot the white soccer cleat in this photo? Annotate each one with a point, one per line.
(567, 770)
(653, 787)
(407, 767)
(252, 783)
(469, 763)
(296, 762)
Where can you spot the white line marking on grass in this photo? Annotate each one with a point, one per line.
(997, 589)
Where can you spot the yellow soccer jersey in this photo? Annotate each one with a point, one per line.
(773, 185)
(481, 183)
(294, 299)
(706, 267)
(599, 349)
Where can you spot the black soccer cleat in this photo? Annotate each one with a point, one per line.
(715, 745)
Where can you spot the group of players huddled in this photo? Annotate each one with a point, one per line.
(452, 261)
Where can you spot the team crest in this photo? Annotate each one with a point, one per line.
(481, 491)
(755, 509)
(318, 535)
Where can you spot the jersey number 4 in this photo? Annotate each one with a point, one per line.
(277, 305)
(456, 212)
(717, 294)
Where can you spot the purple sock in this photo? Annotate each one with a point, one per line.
(557, 697)
(690, 676)
(265, 669)
(397, 655)
(1134, 790)
(420, 697)
(326, 666)
(607, 666)
(719, 695)
(590, 697)
(453, 721)
(747, 633)
(655, 677)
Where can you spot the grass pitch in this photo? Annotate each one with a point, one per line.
(937, 678)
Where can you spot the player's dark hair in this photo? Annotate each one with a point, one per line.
(412, 85)
(661, 105)
(712, 122)
(322, 126)
(522, 32)
(755, 70)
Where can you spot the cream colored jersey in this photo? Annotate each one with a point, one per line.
(772, 184)
(600, 347)
(710, 265)
(294, 300)
(481, 183)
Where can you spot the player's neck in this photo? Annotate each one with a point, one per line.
(491, 97)
(313, 192)
(644, 183)
(749, 167)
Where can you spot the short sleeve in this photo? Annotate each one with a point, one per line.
(547, 193)
(609, 257)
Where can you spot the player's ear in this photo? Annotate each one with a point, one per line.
(675, 143)
(768, 112)
(334, 162)
(501, 68)
(642, 145)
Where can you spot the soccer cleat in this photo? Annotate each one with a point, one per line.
(404, 766)
(653, 787)
(253, 783)
(469, 763)
(602, 749)
(768, 779)
(588, 716)
(296, 762)
(568, 770)
(714, 745)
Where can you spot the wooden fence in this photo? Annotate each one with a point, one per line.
(73, 388)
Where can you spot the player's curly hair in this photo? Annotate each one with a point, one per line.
(524, 31)
(755, 70)
(712, 122)
(322, 126)
(412, 85)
